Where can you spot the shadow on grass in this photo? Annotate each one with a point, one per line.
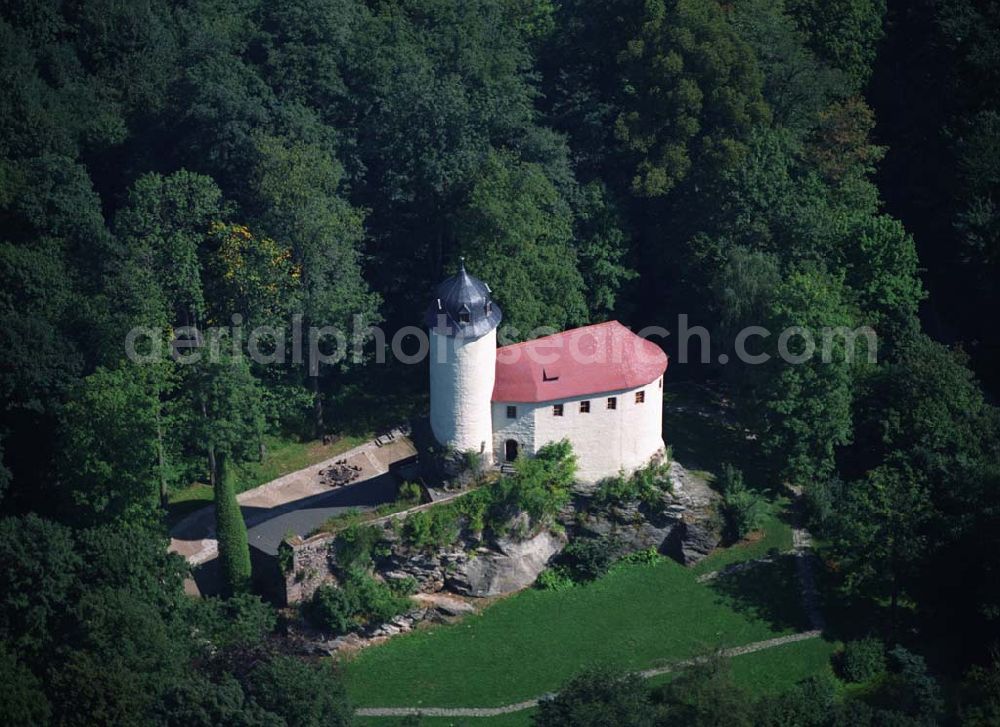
(766, 591)
(851, 616)
(177, 511)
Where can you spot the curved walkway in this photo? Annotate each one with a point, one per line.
(805, 558)
(528, 704)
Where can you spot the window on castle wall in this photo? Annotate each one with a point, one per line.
(640, 397)
(557, 410)
(584, 407)
(661, 382)
(512, 412)
(612, 402)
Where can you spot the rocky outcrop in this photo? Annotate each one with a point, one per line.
(695, 540)
(633, 526)
(682, 524)
(510, 566)
(701, 532)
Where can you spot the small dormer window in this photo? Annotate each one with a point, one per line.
(464, 315)
(489, 307)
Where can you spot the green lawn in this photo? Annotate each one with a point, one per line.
(775, 535)
(764, 672)
(283, 456)
(773, 671)
(635, 617)
(516, 719)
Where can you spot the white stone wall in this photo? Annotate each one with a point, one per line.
(605, 441)
(462, 375)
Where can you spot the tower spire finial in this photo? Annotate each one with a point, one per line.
(461, 263)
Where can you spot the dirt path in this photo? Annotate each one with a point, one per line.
(530, 703)
(805, 564)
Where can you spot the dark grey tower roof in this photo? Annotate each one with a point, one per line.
(467, 307)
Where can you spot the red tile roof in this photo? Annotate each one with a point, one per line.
(589, 360)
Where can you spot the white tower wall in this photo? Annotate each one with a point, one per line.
(462, 377)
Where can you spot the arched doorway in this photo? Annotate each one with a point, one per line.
(510, 450)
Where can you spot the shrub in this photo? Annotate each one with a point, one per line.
(589, 558)
(474, 463)
(540, 487)
(598, 696)
(410, 492)
(377, 602)
(730, 478)
(742, 510)
(810, 702)
(980, 695)
(915, 692)
(554, 579)
(613, 491)
(861, 660)
(403, 586)
(359, 600)
(645, 485)
(231, 531)
(473, 507)
(433, 528)
(243, 620)
(642, 557)
(304, 695)
(286, 557)
(355, 546)
(820, 499)
(704, 693)
(654, 476)
(331, 608)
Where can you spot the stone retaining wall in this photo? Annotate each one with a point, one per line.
(306, 563)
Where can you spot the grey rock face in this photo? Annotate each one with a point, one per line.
(682, 525)
(513, 566)
(695, 541)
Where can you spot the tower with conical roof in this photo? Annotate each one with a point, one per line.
(463, 320)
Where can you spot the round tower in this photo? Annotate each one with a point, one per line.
(463, 347)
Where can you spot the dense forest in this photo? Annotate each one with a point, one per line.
(242, 163)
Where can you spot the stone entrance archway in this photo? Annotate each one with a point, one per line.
(510, 450)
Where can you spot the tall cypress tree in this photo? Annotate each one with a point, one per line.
(234, 548)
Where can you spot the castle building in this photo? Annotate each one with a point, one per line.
(600, 386)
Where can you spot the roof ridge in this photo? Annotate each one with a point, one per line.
(566, 332)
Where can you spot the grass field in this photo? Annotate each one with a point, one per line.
(764, 672)
(774, 536)
(636, 617)
(517, 719)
